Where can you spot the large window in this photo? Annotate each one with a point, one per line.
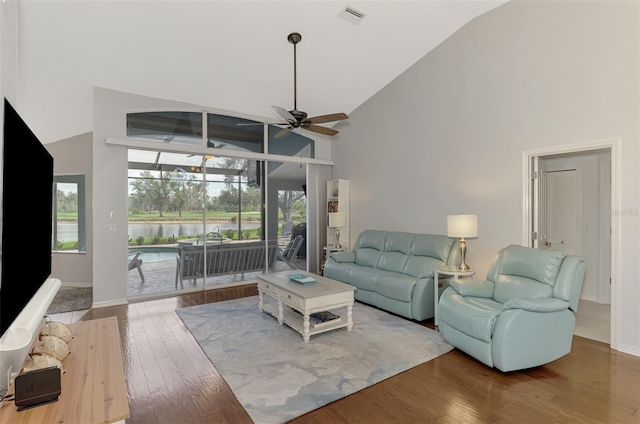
(181, 203)
(69, 216)
(223, 132)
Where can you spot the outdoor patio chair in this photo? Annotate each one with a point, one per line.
(135, 262)
(286, 234)
(288, 254)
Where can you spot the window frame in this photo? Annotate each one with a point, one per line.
(79, 181)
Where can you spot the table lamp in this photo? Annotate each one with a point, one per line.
(337, 220)
(462, 226)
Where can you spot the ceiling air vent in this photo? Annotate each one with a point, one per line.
(352, 15)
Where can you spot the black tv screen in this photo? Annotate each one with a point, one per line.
(26, 221)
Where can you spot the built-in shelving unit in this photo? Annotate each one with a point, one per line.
(338, 201)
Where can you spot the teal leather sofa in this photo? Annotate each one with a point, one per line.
(521, 316)
(394, 270)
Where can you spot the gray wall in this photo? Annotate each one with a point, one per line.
(8, 51)
(110, 188)
(74, 156)
(447, 136)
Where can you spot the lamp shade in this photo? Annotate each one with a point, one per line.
(338, 220)
(462, 225)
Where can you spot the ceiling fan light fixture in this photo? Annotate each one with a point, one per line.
(295, 118)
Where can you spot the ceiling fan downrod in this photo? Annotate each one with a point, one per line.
(294, 38)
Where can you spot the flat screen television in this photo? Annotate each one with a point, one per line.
(26, 216)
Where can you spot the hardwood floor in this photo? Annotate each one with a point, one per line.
(170, 380)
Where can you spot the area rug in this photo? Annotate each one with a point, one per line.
(276, 376)
(71, 299)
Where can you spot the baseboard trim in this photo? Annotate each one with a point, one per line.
(116, 302)
(72, 284)
(631, 350)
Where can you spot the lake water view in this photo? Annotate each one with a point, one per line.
(165, 229)
(178, 229)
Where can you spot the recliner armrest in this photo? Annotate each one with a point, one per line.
(537, 305)
(475, 288)
(343, 256)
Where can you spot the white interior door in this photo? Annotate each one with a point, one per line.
(563, 212)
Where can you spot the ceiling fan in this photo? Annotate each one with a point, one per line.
(296, 118)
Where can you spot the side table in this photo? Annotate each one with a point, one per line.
(327, 251)
(449, 270)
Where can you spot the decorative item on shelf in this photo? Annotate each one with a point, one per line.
(58, 329)
(43, 360)
(330, 207)
(335, 192)
(337, 220)
(53, 345)
(462, 226)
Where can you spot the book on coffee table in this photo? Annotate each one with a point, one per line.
(319, 319)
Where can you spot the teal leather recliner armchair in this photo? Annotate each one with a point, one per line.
(521, 316)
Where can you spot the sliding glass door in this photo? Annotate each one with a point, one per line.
(215, 219)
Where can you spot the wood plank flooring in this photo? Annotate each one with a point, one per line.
(170, 380)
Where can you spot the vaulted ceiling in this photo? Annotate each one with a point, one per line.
(225, 55)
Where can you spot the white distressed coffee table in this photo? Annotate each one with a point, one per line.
(323, 295)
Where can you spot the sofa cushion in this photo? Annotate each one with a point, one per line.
(364, 277)
(522, 272)
(421, 266)
(539, 265)
(395, 286)
(509, 287)
(397, 247)
(392, 261)
(399, 242)
(433, 245)
(369, 247)
(472, 316)
(368, 257)
(373, 239)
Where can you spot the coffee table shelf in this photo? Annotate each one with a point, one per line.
(323, 295)
(296, 321)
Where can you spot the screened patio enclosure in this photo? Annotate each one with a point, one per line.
(200, 219)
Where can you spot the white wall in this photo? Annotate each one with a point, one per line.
(447, 136)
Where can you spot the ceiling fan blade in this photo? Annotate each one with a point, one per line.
(327, 118)
(284, 113)
(283, 132)
(319, 129)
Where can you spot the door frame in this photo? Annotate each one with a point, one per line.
(529, 157)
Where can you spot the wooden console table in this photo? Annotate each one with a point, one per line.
(93, 386)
